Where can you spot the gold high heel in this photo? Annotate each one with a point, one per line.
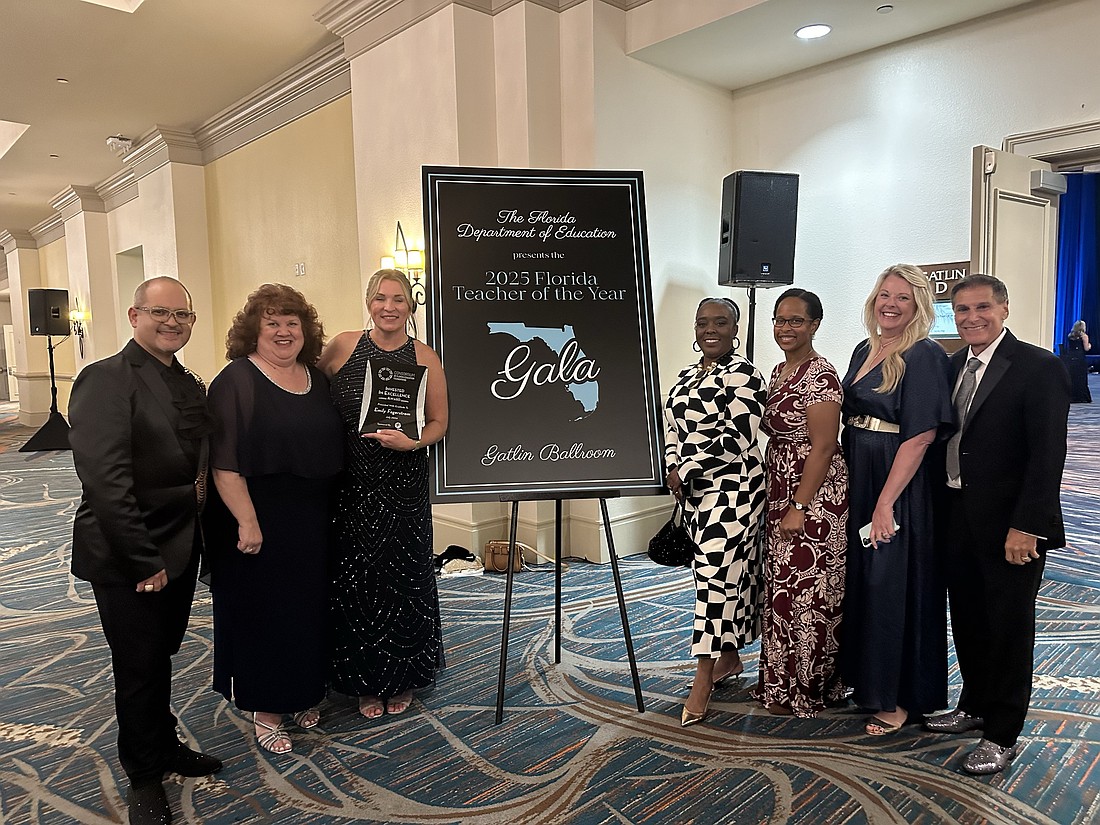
(687, 718)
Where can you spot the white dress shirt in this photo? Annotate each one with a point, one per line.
(985, 357)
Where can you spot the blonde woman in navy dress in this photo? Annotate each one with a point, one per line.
(897, 403)
(715, 469)
(385, 607)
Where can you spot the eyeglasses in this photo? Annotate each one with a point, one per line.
(161, 314)
(793, 323)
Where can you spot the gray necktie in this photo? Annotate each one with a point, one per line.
(962, 402)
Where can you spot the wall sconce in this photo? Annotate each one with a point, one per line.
(77, 317)
(409, 261)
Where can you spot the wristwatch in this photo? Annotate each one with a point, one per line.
(798, 505)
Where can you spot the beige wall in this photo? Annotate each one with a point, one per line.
(883, 141)
(286, 198)
(561, 92)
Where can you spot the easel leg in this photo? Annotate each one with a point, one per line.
(557, 582)
(507, 613)
(622, 607)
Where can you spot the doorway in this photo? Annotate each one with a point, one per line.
(1075, 151)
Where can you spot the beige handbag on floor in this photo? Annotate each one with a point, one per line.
(495, 557)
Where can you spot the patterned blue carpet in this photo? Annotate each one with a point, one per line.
(572, 749)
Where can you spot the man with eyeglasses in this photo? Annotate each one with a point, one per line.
(139, 441)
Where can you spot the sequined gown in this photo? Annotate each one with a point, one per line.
(385, 607)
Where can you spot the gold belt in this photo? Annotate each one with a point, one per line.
(868, 422)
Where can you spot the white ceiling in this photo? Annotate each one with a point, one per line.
(758, 42)
(176, 63)
(172, 63)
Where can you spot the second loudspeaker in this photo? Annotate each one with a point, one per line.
(48, 311)
(756, 247)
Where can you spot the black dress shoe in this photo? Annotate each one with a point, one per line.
(988, 757)
(187, 762)
(957, 721)
(148, 804)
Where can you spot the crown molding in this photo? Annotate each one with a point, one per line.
(375, 21)
(13, 239)
(73, 200)
(52, 229)
(313, 83)
(118, 189)
(161, 145)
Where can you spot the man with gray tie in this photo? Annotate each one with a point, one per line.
(1001, 514)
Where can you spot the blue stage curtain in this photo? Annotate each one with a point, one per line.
(1077, 293)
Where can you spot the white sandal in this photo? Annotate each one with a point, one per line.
(308, 718)
(276, 740)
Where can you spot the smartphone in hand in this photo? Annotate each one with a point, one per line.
(865, 534)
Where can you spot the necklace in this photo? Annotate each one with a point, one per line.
(309, 379)
(883, 352)
(786, 372)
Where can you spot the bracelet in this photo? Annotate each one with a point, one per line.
(416, 444)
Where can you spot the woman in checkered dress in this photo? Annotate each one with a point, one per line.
(715, 468)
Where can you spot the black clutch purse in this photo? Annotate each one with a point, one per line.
(672, 546)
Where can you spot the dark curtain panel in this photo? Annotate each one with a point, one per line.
(1077, 294)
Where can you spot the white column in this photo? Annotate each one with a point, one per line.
(167, 166)
(32, 371)
(91, 280)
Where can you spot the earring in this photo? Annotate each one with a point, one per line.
(736, 343)
(695, 346)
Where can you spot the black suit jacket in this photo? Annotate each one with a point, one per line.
(1013, 446)
(138, 509)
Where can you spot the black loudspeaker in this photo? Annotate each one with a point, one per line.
(756, 247)
(49, 311)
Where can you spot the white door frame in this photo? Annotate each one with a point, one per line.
(1064, 147)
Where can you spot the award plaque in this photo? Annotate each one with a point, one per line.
(393, 397)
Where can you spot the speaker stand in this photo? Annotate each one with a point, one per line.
(750, 336)
(54, 434)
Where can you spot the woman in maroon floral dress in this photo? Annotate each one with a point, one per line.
(807, 519)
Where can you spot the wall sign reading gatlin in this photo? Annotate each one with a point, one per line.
(541, 311)
(943, 277)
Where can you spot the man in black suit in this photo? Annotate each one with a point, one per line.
(1002, 514)
(139, 429)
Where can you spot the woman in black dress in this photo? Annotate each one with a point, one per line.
(1073, 355)
(275, 456)
(385, 608)
(897, 402)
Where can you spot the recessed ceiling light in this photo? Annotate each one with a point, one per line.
(55, 156)
(885, 8)
(62, 80)
(813, 31)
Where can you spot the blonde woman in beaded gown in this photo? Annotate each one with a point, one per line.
(387, 640)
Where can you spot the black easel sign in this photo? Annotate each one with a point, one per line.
(540, 308)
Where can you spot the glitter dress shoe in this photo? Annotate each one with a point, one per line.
(988, 757)
(187, 762)
(957, 721)
(148, 804)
